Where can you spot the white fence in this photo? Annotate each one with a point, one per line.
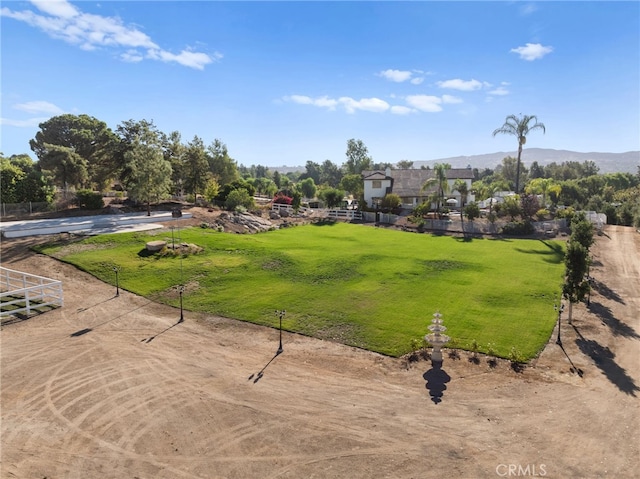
(24, 292)
(345, 214)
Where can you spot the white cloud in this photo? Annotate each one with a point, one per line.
(428, 103)
(462, 85)
(30, 123)
(500, 91)
(350, 105)
(401, 110)
(322, 102)
(398, 76)
(451, 99)
(131, 56)
(62, 20)
(61, 9)
(532, 51)
(367, 104)
(35, 107)
(417, 80)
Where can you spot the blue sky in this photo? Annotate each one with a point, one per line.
(282, 83)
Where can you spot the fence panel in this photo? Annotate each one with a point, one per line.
(24, 292)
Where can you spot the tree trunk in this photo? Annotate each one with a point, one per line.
(570, 311)
(518, 167)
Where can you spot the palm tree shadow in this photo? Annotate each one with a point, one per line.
(603, 358)
(618, 328)
(437, 379)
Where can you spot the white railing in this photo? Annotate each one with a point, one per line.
(27, 292)
(345, 214)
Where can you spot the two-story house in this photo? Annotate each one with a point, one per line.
(407, 184)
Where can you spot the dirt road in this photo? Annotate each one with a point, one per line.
(115, 387)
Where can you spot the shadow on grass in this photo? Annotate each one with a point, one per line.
(437, 379)
(603, 358)
(605, 291)
(617, 327)
(325, 222)
(145, 253)
(555, 252)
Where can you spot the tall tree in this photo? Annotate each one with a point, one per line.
(223, 167)
(540, 186)
(440, 181)
(68, 168)
(84, 137)
(405, 164)
(313, 171)
(196, 167)
(330, 174)
(354, 184)
(30, 184)
(308, 188)
(128, 134)
(461, 187)
(358, 158)
(173, 152)
(150, 173)
(519, 127)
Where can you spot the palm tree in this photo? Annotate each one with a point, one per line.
(520, 128)
(461, 187)
(439, 179)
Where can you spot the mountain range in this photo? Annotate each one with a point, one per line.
(627, 162)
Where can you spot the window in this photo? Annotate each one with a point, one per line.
(376, 184)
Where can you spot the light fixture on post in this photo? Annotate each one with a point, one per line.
(280, 313)
(559, 310)
(115, 270)
(181, 290)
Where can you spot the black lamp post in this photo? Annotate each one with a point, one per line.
(280, 313)
(115, 269)
(181, 290)
(559, 310)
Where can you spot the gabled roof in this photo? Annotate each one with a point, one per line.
(374, 175)
(409, 182)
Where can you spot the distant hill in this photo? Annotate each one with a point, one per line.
(607, 162)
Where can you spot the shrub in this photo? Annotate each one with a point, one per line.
(518, 228)
(239, 197)
(282, 199)
(390, 201)
(472, 210)
(89, 199)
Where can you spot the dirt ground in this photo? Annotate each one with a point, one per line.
(116, 387)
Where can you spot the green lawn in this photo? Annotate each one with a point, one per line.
(367, 287)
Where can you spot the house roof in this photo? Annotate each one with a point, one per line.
(374, 175)
(409, 182)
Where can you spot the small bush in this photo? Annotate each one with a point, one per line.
(89, 199)
(518, 228)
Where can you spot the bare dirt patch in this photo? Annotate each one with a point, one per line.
(116, 387)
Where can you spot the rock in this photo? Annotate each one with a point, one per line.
(156, 245)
